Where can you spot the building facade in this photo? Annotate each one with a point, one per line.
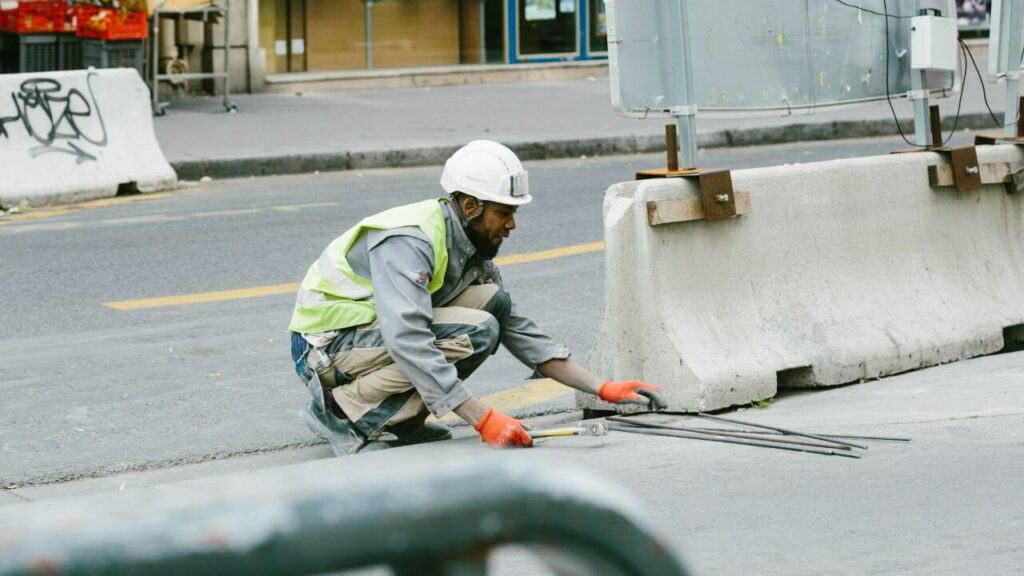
(338, 35)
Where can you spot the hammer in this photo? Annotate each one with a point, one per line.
(596, 428)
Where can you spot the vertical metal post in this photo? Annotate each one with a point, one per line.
(919, 89)
(483, 32)
(671, 148)
(919, 97)
(154, 64)
(368, 34)
(252, 34)
(1020, 118)
(936, 125)
(227, 56)
(1012, 11)
(686, 117)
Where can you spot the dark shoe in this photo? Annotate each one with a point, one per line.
(342, 436)
(420, 433)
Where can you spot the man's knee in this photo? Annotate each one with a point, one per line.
(487, 334)
(483, 340)
(499, 306)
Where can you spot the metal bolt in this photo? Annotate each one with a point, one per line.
(722, 198)
(971, 169)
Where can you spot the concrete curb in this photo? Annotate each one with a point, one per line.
(549, 149)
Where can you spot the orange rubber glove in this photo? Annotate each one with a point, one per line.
(502, 431)
(625, 390)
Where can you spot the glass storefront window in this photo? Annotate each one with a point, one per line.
(547, 27)
(598, 27)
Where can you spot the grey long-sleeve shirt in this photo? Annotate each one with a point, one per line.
(396, 262)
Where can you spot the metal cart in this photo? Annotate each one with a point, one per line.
(208, 14)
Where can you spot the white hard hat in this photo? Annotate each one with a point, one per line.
(489, 172)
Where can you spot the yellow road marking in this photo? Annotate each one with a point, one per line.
(239, 294)
(42, 226)
(549, 254)
(239, 212)
(293, 207)
(148, 219)
(204, 297)
(42, 213)
(534, 392)
(54, 211)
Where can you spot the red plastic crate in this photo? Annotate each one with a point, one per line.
(110, 24)
(35, 17)
(80, 13)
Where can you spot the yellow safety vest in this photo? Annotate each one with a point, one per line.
(333, 297)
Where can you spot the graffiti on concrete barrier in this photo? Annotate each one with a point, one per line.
(59, 120)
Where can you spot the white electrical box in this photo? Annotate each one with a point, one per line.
(933, 43)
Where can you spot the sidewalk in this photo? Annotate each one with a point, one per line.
(322, 131)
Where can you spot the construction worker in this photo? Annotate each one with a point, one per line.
(401, 308)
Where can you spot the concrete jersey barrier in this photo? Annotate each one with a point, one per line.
(842, 271)
(77, 135)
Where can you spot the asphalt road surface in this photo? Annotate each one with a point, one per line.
(92, 384)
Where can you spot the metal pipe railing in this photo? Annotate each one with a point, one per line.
(426, 518)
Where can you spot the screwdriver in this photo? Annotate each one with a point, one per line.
(596, 428)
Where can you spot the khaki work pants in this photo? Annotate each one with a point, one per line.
(379, 395)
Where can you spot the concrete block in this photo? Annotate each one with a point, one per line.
(77, 135)
(842, 271)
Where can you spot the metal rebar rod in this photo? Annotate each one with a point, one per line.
(773, 433)
(725, 433)
(782, 430)
(766, 444)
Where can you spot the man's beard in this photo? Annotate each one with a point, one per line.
(482, 244)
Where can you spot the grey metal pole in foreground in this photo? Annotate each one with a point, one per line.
(416, 517)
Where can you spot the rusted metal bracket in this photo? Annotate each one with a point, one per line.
(945, 174)
(717, 200)
(963, 168)
(674, 210)
(1014, 179)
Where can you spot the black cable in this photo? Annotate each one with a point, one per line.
(984, 92)
(964, 51)
(888, 97)
(963, 88)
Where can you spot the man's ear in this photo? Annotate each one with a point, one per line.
(471, 207)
